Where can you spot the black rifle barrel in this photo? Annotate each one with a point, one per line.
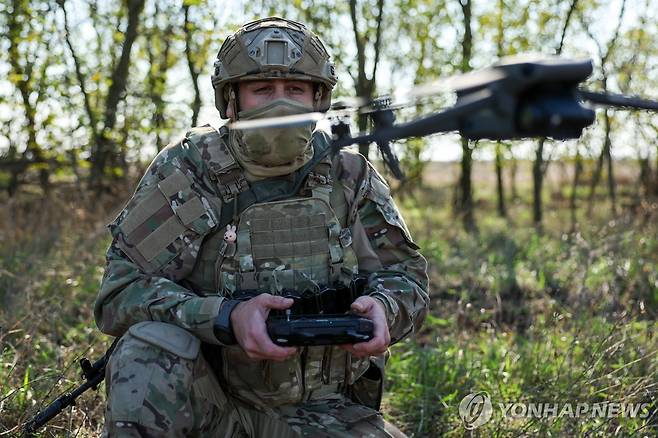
(93, 374)
(61, 403)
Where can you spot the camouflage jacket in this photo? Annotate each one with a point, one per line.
(165, 247)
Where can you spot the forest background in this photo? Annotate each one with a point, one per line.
(543, 255)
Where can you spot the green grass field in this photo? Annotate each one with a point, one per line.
(556, 318)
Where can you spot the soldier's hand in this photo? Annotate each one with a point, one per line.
(372, 309)
(248, 321)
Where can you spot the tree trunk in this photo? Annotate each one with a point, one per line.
(362, 123)
(157, 77)
(89, 109)
(500, 50)
(645, 186)
(14, 181)
(655, 179)
(502, 209)
(538, 167)
(465, 198)
(189, 56)
(465, 203)
(538, 182)
(105, 152)
(364, 86)
(577, 170)
(608, 156)
(32, 149)
(598, 171)
(513, 170)
(606, 151)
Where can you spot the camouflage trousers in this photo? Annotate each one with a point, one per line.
(160, 386)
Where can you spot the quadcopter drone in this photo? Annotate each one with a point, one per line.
(511, 100)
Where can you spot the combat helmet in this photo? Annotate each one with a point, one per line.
(273, 48)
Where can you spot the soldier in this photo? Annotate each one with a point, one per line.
(223, 211)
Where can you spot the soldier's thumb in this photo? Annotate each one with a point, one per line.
(359, 306)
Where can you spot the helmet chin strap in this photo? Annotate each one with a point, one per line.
(232, 100)
(317, 97)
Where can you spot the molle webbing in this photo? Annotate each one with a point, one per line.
(221, 163)
(302, 236)
(290, 244)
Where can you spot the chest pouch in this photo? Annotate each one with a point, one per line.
(290, 244)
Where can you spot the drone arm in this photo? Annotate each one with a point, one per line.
(451, 119)
(618, 100)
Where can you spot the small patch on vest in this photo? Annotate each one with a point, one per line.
(345, 237)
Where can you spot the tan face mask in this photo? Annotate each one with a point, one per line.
(275, 146)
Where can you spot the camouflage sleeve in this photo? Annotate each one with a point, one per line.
(155, 242)
(397, 272)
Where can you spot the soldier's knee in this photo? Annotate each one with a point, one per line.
(148, 345)
(167, 337)
(149, 377)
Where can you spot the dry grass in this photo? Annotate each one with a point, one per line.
(51, 261)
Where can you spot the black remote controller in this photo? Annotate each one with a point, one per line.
(307, 330)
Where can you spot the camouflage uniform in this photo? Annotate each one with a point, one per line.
(169, 269)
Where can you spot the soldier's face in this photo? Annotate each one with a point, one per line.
(252, 94)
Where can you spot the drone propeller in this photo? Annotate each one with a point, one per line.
(292, 121)
(398, 99)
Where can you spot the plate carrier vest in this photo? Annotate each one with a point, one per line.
(300, 241)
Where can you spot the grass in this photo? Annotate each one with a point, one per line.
(560, 360)
(51, 261)
(552, 317)
(555, 317)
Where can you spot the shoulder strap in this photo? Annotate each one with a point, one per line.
(319, 180)
(221, 163)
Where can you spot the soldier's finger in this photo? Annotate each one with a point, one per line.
(274, 302)
(353, 351)
(376, 345)
(381, 327)
(381, 338)
(268, 348)
(277, 353)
